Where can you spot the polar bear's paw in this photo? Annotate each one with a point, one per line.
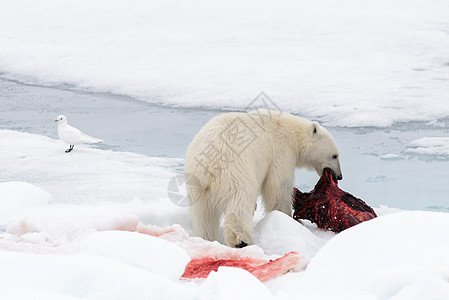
(241, 245)
(236, 236)
(238, 240)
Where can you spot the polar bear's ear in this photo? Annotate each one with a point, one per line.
(314, 129)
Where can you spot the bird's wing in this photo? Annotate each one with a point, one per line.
(89, 139)
(73, 136)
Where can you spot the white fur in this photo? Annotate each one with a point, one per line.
(237, 156)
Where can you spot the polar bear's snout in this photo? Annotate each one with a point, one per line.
(336, 171)
(339, 177)
(335, 175)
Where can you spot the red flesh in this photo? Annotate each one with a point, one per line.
(263, 270)
(330, 207)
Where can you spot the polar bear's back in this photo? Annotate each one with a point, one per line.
(247, 143)
(223, 141)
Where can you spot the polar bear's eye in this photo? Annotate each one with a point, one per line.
(334, 156)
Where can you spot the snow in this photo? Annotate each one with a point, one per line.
(233, 283)
(101, 247)
(295, 236)
(424, 287)
(38, 294)
(86, 276)
(143, 251)
(17, 195)
(351, 63)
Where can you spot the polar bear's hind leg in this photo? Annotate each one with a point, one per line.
(205, 218)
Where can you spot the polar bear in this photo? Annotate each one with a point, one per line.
(237, 156)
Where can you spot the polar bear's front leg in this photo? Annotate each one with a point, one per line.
(277, 193)
(237, 231)
(238, 223)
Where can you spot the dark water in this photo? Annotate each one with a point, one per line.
(403, 180)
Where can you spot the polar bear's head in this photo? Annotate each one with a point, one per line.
(323, 152)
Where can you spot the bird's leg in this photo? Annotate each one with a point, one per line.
(70, 149)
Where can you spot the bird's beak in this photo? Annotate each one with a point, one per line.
(56, 120)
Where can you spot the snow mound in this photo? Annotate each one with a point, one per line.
(16, 195)
(393, 255)
(233, 283)
(295, 236)
(140, 250)
(86, 276)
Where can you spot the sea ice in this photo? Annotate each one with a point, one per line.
(347, 63)
(430, 146)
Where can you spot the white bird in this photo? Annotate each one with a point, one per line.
(71, 135)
